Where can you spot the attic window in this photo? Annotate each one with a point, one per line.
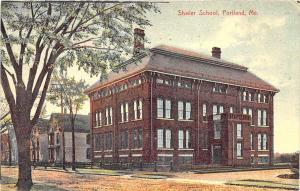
(220, 88)
(184, 84)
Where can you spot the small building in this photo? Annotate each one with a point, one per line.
(39, 141)
(60, 138)
(182, 106)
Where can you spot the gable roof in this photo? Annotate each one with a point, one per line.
(175, 61)
(81, 122)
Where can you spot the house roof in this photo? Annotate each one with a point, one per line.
(81, 123)
(42, 125)
(175, 61)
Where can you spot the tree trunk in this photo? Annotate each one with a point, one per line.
(23, 139)
(73, 146)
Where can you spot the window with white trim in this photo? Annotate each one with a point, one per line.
(180, 110)
(261, 117)
(239, 149)
(168, 109)
(124, 112)
(163, 108)
(248, 111)
(108, 115)
(262, 142)
(160, 108)
(98, 119)
(168, 138)
(184, 139)
(239, 131)
(218, 109)
(180, 139)
(160, 138)
(259, 141)
(231, 109)
(138, 109)
(184, 110)
(164, 138)
(187, 139)
(220, 88)
(204, 112)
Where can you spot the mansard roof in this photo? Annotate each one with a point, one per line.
(175, 61)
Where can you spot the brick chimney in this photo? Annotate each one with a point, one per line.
(216, 52)
(139, 35)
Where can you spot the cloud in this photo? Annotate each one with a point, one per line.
(233, 31)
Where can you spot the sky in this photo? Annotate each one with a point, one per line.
(267, 42)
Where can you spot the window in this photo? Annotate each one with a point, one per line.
(124, 112)
(180, 110)
(108, 115)
(108, 141)
(248, 111)
(217, 130)
(136, 82)
(239, 149)
(231, 109)
(260, 142)
(218, 109)
(248, 96)
(221, 109)
(239, 131)
(261, 117)
(180, 139)
(244, 96)
(160, 108)
(98, 119)
(220, 88)
(123, 140)
(184, 136)
(187, 139)
(159, 81)
(123, 87)
(164, 81)
(97, 141)
(168, 109)
(205, 140)
(184, 84)
(204, 112)
(168, 138)
(164, 140)
(264, 144)
(138, 108)
(263, 159)
(184, 110)
(160, 138)
(163, 108)
(251, 141)
(137, 138)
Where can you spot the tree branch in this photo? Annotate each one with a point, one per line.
(42, 99)
(7, 90)
(9, 48)
(11, 75)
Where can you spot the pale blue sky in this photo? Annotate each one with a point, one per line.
(268, 44)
